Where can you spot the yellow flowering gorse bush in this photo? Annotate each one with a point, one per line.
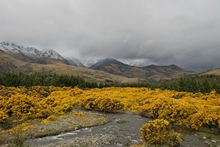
(3, 116)
(102, 104)
(179, 108)
(159, 132)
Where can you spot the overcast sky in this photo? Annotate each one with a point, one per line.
(182, 32)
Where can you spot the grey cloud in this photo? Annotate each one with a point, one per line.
(140, 32)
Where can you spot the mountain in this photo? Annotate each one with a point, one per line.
(114, 66)
(108, 61)
(30, 59)
(150, 73)
(74, 61)
(11, 62)
(29, 52)
(33, 55)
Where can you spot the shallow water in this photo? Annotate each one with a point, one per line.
(124, 128)
(121, 130)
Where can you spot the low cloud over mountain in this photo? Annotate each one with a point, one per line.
(180, 32)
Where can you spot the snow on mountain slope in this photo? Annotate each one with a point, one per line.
(49, 53)
(74, 61)
(12, 48)
(30, 52)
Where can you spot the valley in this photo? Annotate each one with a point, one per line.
(29, 59)
(109, 73)
(96, 110)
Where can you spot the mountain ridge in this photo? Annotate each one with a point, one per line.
(151, 72)
(32, 59)
(10, 63)
(35, 55)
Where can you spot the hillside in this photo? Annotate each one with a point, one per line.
(34, 55)
(30, 59)
(212, 72)
(9, 62)
(151, 73)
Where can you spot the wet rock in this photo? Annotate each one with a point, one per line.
(114, 134)
(145, 114)
(204, 137)
(135, 141)
(213, 141)
(208, 143)
(119, 144)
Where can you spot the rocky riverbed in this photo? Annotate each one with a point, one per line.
(121, 130)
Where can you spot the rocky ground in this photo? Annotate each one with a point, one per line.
(121, 130)
(54, 125)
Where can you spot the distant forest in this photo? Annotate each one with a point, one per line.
(43, 79)
(193, 83)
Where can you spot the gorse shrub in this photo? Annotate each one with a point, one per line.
(179, 108)
(159, 132)
(30, 103)
(109, 105)
(170, 109)
(22, 106)
(209, 117)
(102, 104)
(3, 116)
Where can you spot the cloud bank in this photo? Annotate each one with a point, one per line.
(140, 32)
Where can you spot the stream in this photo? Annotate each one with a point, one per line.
(122, 130)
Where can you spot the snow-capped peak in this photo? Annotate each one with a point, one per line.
(49, 53)
(10, 47)
(32, 52)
